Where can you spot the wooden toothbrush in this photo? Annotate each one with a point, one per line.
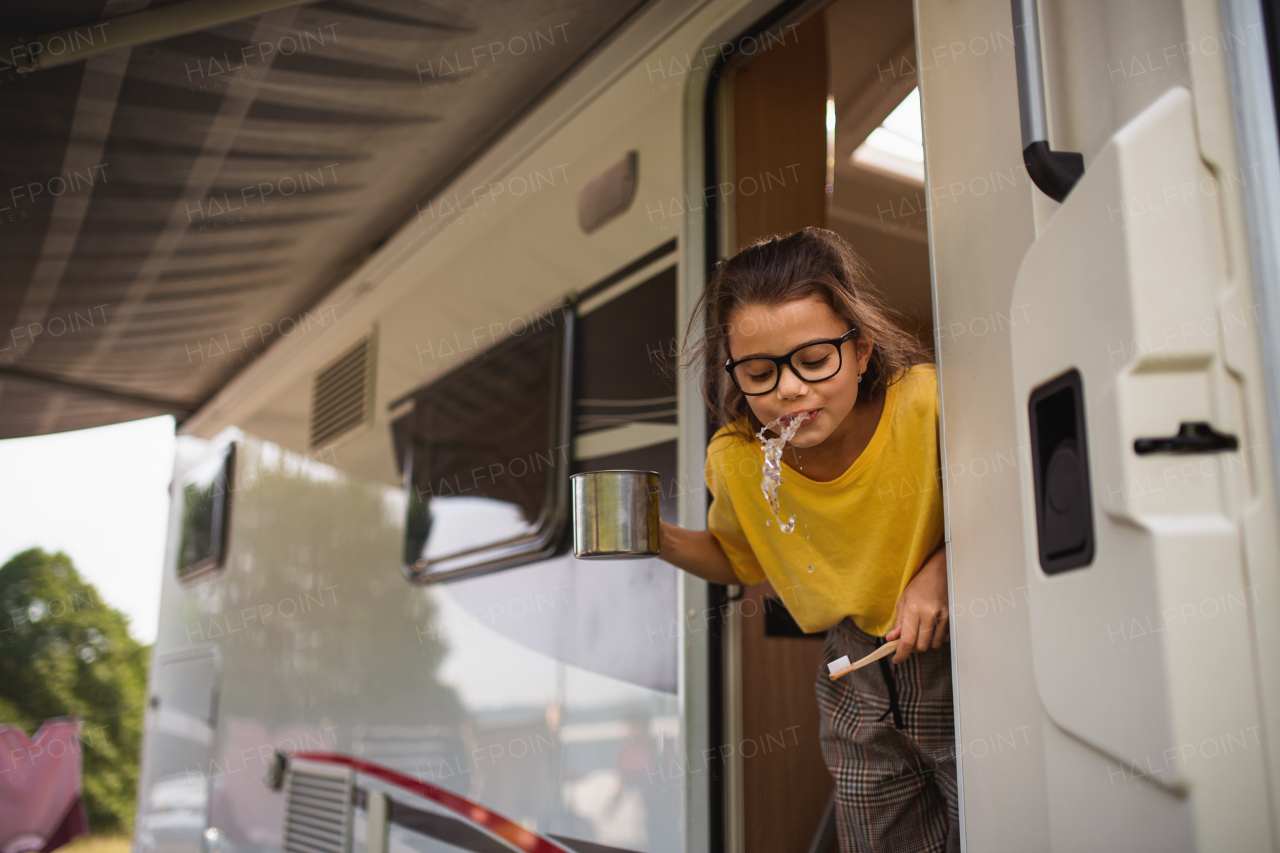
(841, 666)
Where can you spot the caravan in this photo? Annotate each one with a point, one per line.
(374, 635)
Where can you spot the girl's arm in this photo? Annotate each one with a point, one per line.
(697, 552)
(922, 609)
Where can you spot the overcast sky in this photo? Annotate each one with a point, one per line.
(102, 496)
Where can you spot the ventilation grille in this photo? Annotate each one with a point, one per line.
(317, 812)
(343, 395)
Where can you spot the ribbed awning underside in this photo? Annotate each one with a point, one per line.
(168, 210)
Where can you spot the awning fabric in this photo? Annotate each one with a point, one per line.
(171, 209)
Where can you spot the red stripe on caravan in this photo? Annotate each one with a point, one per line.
(509, 831)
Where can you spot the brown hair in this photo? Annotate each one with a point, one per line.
(782, 269)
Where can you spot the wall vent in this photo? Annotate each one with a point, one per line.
(317, 811)
(342, 396)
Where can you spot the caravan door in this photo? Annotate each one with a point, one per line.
(1134, 404)
(181, 726)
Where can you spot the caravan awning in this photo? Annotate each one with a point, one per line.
(171, 207)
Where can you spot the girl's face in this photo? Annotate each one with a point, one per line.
(776, 331)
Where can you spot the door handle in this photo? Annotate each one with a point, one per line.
(1054, 172)
(1060, 472)
(1192, 437)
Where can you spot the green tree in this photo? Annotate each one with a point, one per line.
(65, 652)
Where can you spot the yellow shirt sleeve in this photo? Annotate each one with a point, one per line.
(723, 523)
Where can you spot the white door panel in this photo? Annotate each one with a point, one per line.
(181, 728)
(1128, 655)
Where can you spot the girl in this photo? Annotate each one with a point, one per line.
(796, 332)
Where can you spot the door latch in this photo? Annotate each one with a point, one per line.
(1192, 437)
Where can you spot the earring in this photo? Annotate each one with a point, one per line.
(859, 377)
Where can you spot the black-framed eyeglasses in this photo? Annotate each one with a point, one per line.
(813, 362)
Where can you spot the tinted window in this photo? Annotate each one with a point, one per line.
(204, 514)
(486, 454)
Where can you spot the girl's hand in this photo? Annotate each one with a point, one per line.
(922, 610)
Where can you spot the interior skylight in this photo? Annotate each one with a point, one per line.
(896, 147)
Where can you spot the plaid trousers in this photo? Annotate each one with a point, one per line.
(888, 738)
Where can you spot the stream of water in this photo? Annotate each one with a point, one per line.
(772, 478)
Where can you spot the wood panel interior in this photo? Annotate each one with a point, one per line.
(779, 124)
(779, 133)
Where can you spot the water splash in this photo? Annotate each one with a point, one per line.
(772, 478)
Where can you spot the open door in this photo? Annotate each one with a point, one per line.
(1139, 475)
(818, 135)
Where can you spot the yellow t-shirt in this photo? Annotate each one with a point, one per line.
(865, 533)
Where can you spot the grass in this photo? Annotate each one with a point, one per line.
(98, 844)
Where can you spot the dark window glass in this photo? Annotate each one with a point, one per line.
(486, 454)
(205, 492)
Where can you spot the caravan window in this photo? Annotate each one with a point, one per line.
(485, 456)
(205, 492)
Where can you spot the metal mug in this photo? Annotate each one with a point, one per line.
(615, 514)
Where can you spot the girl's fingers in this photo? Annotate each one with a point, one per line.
(896, 631)
(925, 634)
(907, 641)
(898, 611)
(940, 634)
